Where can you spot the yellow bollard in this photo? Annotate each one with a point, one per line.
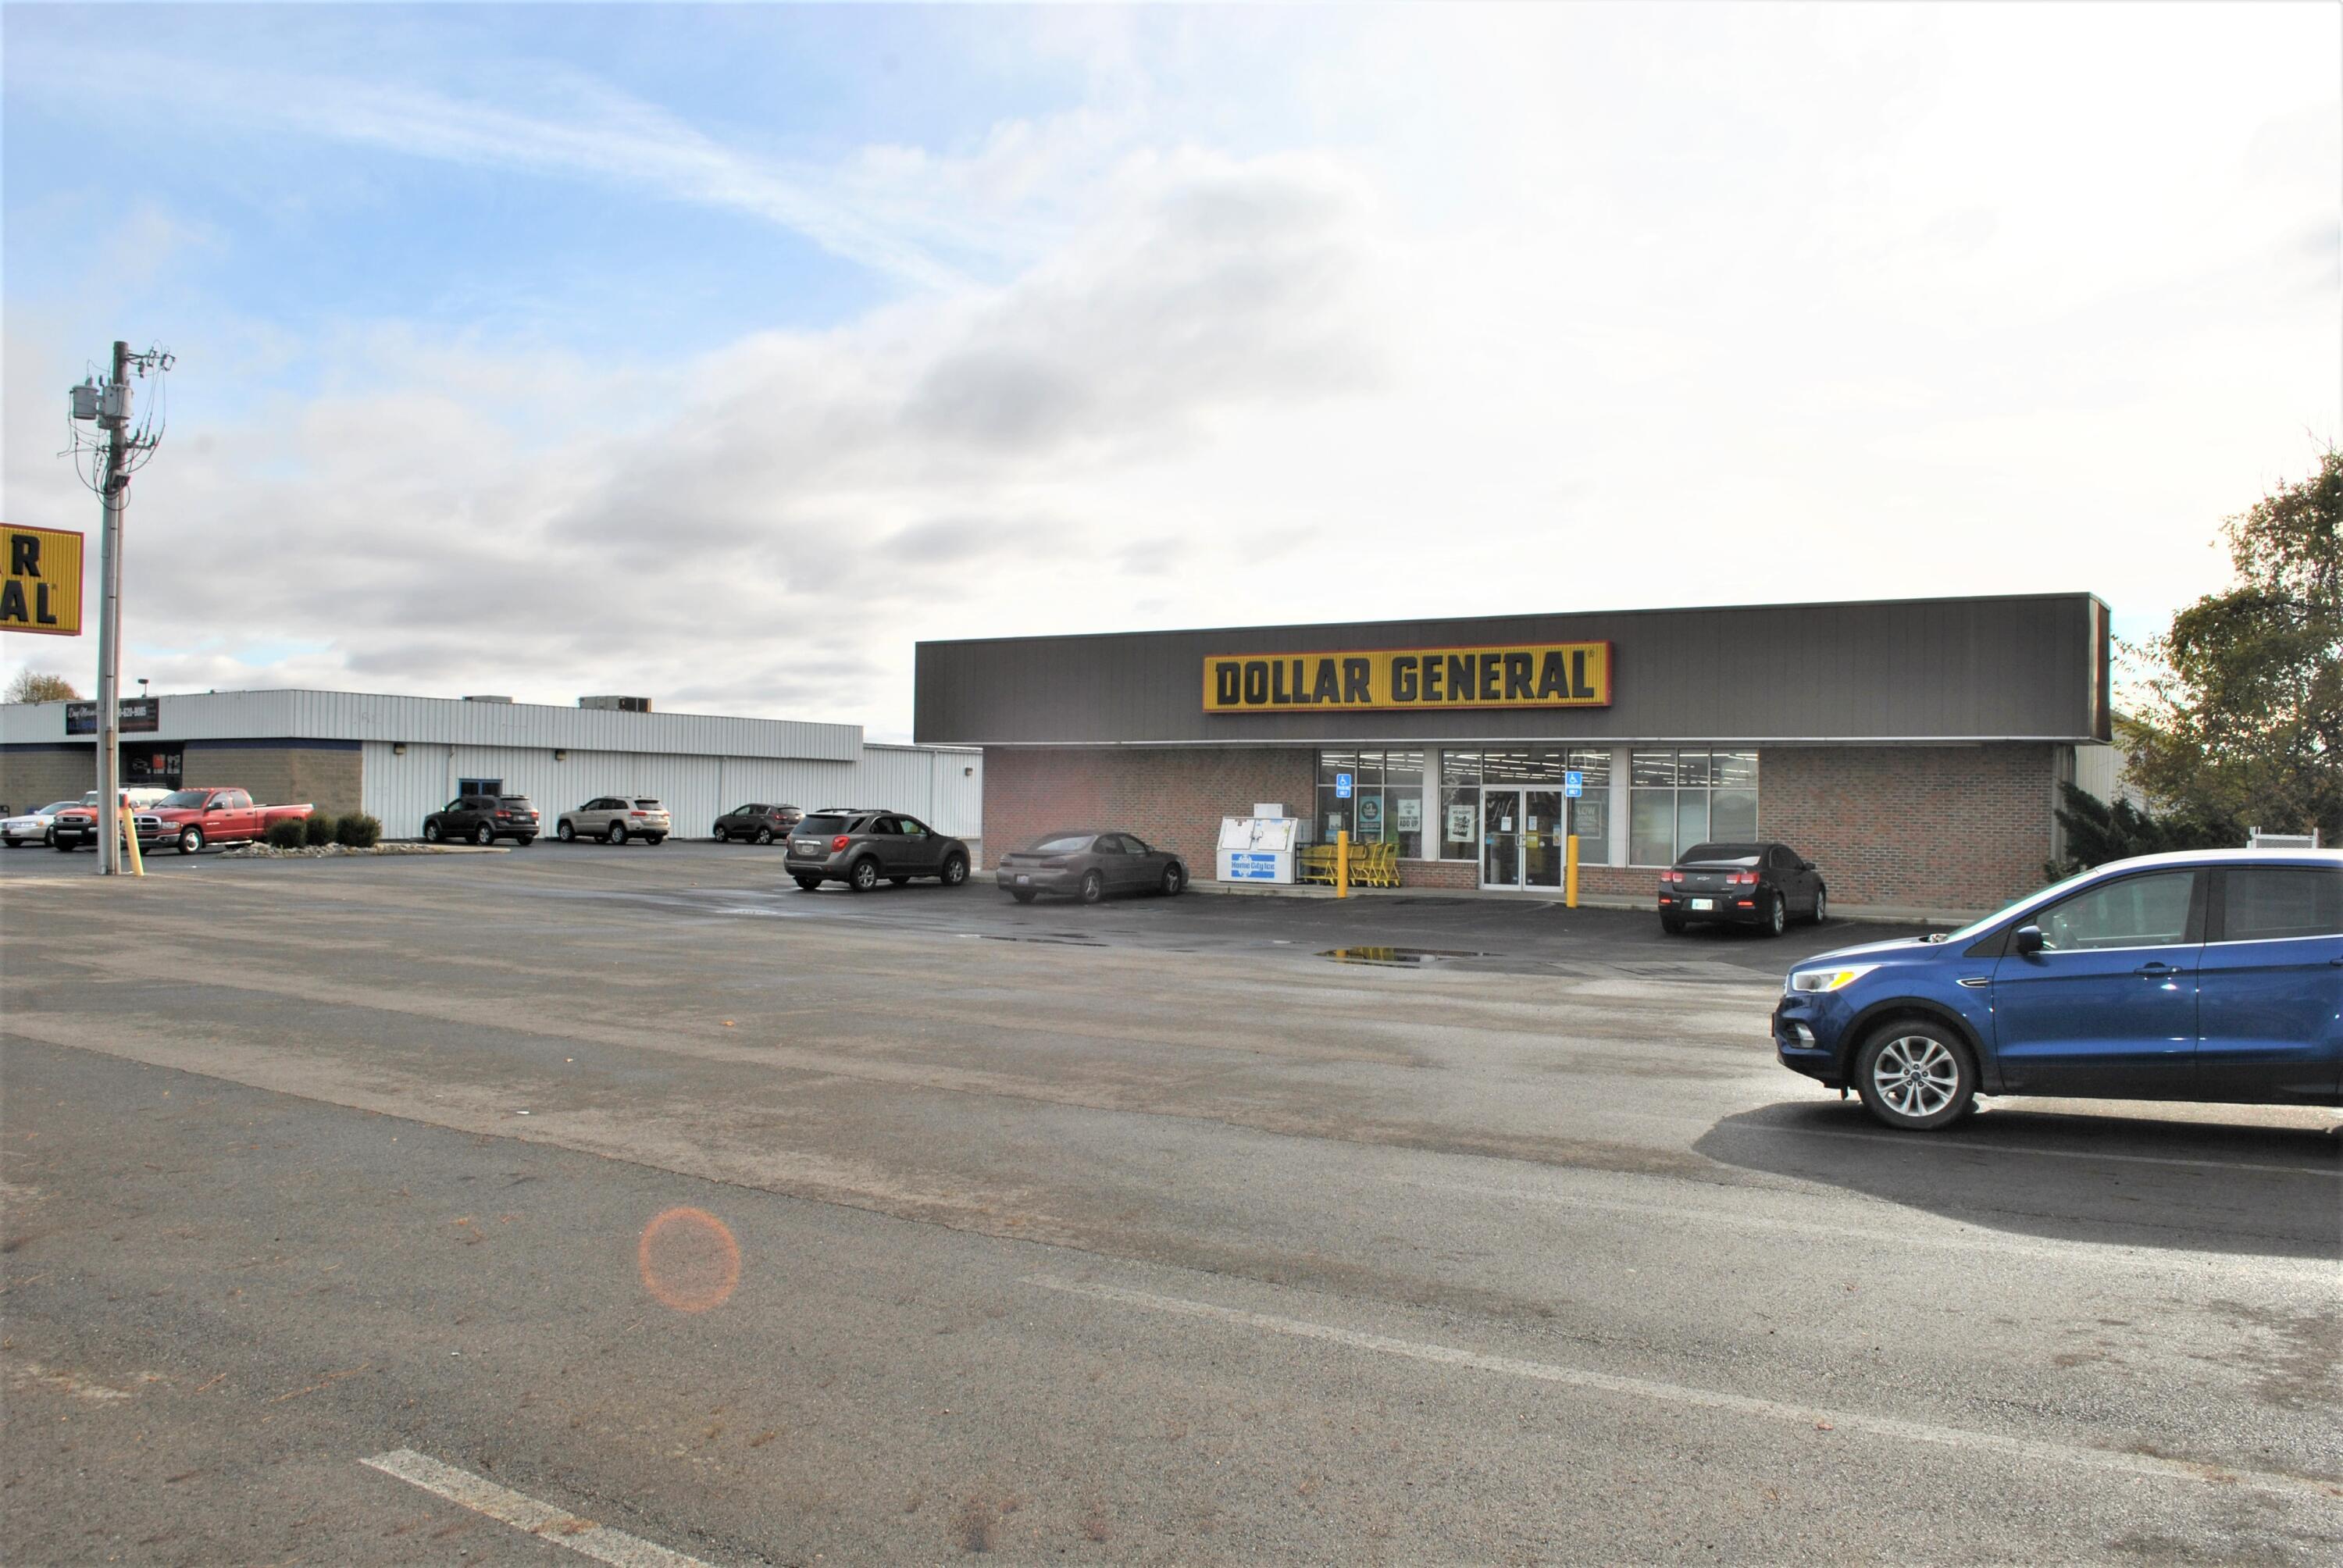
(1570, 872)
(130, 842)
(1342, 862)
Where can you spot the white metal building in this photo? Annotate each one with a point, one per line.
(398, 757)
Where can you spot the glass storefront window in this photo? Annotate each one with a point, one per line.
(1389, 799)
(1652, 827)
(1385, 801)
(1403, 802)
(154, 769)
(1680, 798)
(1335, 813)
(1458, 831)
(1590, 814)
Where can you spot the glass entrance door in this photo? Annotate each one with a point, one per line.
(1501, 837)
(1541, 833)
(1521, 838)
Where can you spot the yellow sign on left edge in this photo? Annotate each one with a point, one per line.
(42, 593)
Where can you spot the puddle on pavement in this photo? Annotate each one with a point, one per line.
(1399, 958)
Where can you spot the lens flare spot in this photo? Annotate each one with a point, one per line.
(690, 1261)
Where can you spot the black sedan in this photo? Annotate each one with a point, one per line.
(1089, 866)
(757, 823)
(1760, 885)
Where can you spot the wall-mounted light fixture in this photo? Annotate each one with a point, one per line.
(399, 749)
(561, 756)
(968, 773)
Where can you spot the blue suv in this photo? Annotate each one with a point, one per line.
(2214, 975)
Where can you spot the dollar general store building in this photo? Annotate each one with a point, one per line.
(1914, 748)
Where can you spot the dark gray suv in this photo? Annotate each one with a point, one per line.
(859, 848)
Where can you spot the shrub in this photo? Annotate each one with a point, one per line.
(287, 833)
(2097, 832)
(358, 832)
(318, 829)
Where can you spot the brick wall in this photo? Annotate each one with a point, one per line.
(1924, 828)
(33, 776)
(1938, 828)
(327, 779)
(1174, 797)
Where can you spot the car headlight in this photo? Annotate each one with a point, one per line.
(1810, 982)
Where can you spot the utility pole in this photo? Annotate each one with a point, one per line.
(125, 449)
(116, 420)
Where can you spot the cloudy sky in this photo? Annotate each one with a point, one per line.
(720, 354)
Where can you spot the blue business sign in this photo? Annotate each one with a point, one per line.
(1252, 866)
(1574, 785)
(1342, 786)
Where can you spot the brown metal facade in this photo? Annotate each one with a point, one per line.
(2030, 668)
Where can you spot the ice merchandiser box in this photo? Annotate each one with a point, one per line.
(1258, 848)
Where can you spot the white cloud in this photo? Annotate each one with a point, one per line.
(773, 543)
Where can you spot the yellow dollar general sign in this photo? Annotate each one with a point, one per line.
(1509, 675)
(42, 592)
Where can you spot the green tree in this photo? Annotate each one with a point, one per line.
(39, 685)
(2242, 717)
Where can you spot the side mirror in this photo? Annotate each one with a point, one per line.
(2026, 939)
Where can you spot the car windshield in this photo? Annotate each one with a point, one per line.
(824, 824)
(647, 806)
(1729, 854)
(54, 806)
(184, 798)
(512, 800)
(1063, 844)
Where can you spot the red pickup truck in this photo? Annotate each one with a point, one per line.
(190, 818)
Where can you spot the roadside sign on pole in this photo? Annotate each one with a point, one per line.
(42, 592)
(1574, 785)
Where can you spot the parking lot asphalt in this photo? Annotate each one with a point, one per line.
(705, 1216)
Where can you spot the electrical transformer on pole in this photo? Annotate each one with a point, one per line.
(123, 450)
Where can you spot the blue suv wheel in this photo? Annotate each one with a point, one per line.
(1915, 1076)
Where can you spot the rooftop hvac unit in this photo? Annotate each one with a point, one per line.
(618, 704)
(2257, 840)
(488, 700)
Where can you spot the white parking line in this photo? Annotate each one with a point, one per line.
(541, 1520)
(2141, 1466)
(2225, 1267)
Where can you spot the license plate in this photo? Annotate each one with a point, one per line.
(806, 846)
(1023, 880)
(1704, 903)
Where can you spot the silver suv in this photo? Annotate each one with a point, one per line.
(859, 848)
(614, 820)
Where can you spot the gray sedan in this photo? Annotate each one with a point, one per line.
(1089, 866)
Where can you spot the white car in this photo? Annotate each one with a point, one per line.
(615, 818)
(33, 827)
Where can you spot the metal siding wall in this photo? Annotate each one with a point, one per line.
(441, 721)
(402, 790)
(360, 716)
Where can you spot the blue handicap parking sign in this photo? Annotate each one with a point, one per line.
(1574, 785)
(1342, 786)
